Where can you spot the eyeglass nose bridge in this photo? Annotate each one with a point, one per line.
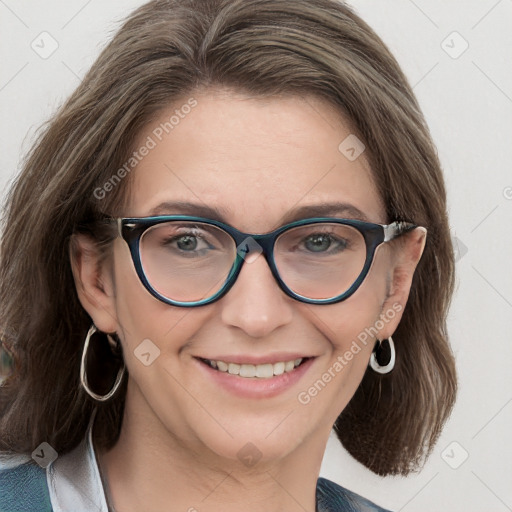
(248, 248)
(253, 245)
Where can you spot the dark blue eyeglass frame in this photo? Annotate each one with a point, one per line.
(132, 229)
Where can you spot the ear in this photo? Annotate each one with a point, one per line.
(94, 281)
(405, 257)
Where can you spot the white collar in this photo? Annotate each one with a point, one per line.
(74, 479)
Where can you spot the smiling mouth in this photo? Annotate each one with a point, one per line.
(258, 371)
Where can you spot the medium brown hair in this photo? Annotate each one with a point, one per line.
(164, 51)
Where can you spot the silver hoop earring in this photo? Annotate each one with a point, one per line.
(377, 353)
(83, 374)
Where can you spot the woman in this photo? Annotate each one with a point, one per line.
(217, 253)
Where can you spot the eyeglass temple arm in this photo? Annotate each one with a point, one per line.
(119, 223)
(397, 228)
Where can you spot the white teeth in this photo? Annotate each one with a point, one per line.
(279, 368)
(247, 370)
(221, 365)
(233, 368)
(265, 371)
(289, 366)
(261, 371)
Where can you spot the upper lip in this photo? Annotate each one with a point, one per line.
(255, 360)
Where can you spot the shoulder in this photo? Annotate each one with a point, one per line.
(331, 497)
(23, 486)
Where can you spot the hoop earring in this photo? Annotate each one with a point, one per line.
(377, 353)
(83, 374)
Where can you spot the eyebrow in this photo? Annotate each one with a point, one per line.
(325, 209)
(185, 208)
(336, 209)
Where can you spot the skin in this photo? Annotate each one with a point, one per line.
(257, 159)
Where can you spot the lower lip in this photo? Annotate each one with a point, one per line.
(256, 387)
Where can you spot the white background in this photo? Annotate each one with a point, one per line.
(468, 104)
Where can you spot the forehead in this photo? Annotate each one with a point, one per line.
(253, 159)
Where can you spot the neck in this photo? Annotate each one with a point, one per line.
(150, 469)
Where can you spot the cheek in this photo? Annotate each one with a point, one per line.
(143, 319)
(355, 320)
(154, 335)
(350, 328)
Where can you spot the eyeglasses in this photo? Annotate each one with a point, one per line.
(193, 261)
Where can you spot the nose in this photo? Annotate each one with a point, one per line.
(255, 303)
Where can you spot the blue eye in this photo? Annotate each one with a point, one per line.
(189, 244)
(321, 242)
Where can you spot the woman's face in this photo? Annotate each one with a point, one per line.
(256, 161)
